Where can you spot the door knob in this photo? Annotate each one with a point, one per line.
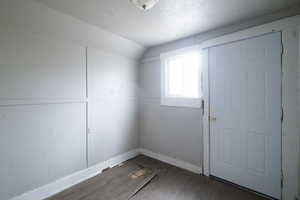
(212, 118)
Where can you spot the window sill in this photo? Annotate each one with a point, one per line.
(180, 102)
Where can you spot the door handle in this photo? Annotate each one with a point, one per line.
(212, 118)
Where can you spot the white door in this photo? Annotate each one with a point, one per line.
(245, 110)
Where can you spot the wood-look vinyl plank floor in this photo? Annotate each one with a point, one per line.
(171, 183)
(177, 184)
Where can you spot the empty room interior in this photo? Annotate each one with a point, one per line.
(149, 99)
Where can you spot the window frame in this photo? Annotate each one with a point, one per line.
(178, 101)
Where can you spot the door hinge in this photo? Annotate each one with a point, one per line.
(282, 114)
(202, 106)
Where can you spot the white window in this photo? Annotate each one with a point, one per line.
(181, 78)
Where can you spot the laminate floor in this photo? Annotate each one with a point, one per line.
(168, 183)
(174, 183)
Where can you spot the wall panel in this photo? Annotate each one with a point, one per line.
(42, 111)
(112, 106)
(39, 144)
(33, 67)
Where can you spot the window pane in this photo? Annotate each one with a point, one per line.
(191, 75)
(175, 77)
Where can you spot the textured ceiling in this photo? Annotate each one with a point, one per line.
(169, 19)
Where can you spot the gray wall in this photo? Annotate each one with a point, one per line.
(42, 113)
(171, 131)
(290, 125)
(112, 113)
(298, 104)
(43, 100)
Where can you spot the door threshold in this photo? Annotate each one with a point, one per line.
(241, 187)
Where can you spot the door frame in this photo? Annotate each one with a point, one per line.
(206, 97)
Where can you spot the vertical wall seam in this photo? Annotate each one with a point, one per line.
(86, 108)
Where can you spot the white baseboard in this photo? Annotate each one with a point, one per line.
(172, 161)
(73, 179)
(55, 187)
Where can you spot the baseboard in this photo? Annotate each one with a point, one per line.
(172, 161)
(73, 179)
(55, 187)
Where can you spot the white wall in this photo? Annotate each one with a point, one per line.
(172, 131)
(43, 96)
(113, 100)
(37, 68)
(42, 111)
